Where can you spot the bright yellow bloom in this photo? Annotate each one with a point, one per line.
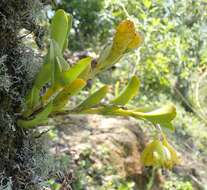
(126, 38)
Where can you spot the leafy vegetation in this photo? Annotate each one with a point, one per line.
(171, 63)
(65, 82)
(164, 62)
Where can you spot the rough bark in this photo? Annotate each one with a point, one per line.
(16, 145)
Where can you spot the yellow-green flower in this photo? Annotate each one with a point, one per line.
(175, 158)
(159, 153)
(126, 38)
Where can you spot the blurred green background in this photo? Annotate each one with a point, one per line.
(171, 63)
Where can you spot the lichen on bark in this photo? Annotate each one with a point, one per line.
(16, 76)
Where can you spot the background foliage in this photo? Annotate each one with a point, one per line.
(170, 63)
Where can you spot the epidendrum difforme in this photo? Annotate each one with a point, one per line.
(67, 81)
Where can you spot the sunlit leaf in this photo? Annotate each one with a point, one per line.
(71, 74)
(128, 93)
(69, 90)
(93, 99)
(162, 115)
(85, 74)
(59, 65)
(59, 28)
(70, 19)
(136, 42)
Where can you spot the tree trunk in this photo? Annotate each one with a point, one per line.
(16, 144)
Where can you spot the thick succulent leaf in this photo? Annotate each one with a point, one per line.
(60, 27)
(72, 74)
(63, 75)
(59, 65)
(143, 109)
(59, 76)
(70, 19)
(66, 44)
(52, 57)
(54, 62)
(102, 110)
(40, 118)
(85, 74)
(162, 115)
(128, 93)
(69, 90)
(58, 54)
(93, 99)
(103, 61)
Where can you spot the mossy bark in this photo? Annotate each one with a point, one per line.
(16, 144)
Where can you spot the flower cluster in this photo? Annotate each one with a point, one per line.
(160, 153)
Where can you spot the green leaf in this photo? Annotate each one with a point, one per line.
(72, 74)
(58, 63)
(103, 60)
(60, 27)
(70, 18)
(44, 75)
(58, 54)
(85, 74)
(61, 72)
(162, 115)
(62, 98)
(93, 99)
(52, 57)
(128, 93)
(40, 118)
